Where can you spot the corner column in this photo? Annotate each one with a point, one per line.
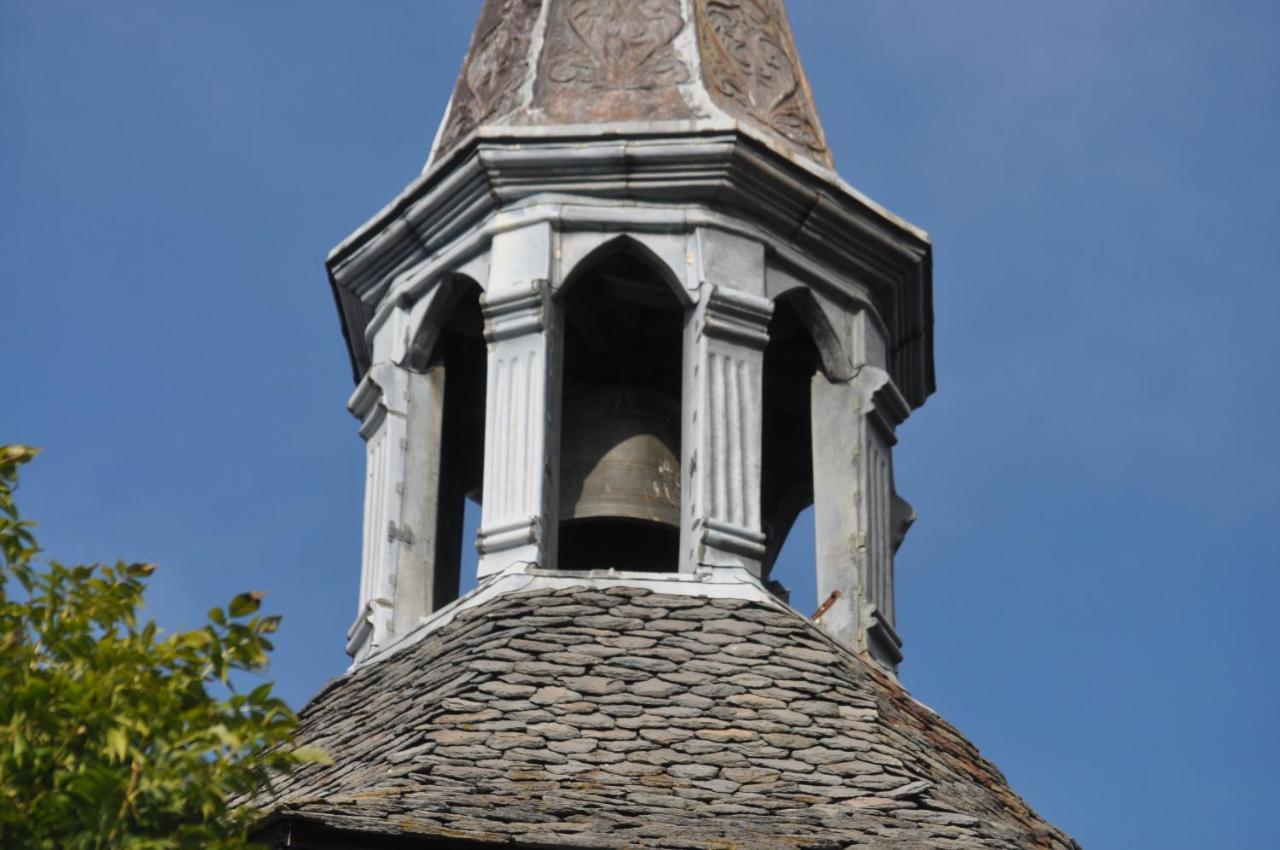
(400, 423)
(858, 517)
(416, 564)
(518, 525)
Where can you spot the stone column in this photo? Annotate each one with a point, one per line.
(400, 423)
(859, 519)
(416, 566)
(724, 365)
(839, 520)
(518, 525)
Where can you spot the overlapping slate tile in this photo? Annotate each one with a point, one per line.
(625, 718)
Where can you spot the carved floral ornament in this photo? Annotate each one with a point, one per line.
(620, 44)
(747, 57)
(620, 60)
(496, 64)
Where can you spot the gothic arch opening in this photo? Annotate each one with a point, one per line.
(451, 354)
(791, 360)
(620, 403)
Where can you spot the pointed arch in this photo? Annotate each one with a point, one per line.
(623, 312)
(625, 245)
(793, 358)
(446, 359)
(833, 355)
(440, 307)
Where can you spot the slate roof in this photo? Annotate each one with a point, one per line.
(625, 718)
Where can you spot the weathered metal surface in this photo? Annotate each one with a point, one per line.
(494, 70)
(619, 456)
(547, 63)
(752, 71)
(611, 60)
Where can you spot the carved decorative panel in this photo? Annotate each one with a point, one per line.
(612, 60)
(750, 66)
(495, 69)
(519, 425)
(724, 418)
(733, 444)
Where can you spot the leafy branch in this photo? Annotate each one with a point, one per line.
(113, 734)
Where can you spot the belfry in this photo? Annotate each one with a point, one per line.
(630, 310)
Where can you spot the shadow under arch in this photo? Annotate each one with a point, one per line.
(448, 348)
(625, 245)
(623, 312)
(452, 293)
(833, 354)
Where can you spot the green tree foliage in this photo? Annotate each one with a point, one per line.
(113, 734)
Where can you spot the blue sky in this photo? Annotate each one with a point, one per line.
(1090, 590)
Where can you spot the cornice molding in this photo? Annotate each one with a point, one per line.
(516, 313)
(737, 316)
(726, 176)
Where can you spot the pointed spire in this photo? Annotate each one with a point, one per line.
(665, 64)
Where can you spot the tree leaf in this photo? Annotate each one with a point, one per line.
(312, 755)
(197, 639)
(108, 737)
(245, 604)
(117, 743)
(260, 693)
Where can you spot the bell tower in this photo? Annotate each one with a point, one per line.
(630, 309)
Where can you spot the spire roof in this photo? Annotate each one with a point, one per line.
(661, 63)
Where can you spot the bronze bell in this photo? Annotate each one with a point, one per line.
(620, 479)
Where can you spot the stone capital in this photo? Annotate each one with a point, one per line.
(735, 316)
(518, 311)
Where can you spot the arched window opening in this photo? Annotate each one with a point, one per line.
(790, 362)
(620, 433)
(458, 363)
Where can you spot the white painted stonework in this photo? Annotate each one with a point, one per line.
(728, 256)
(724, 354)
(516, 526)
